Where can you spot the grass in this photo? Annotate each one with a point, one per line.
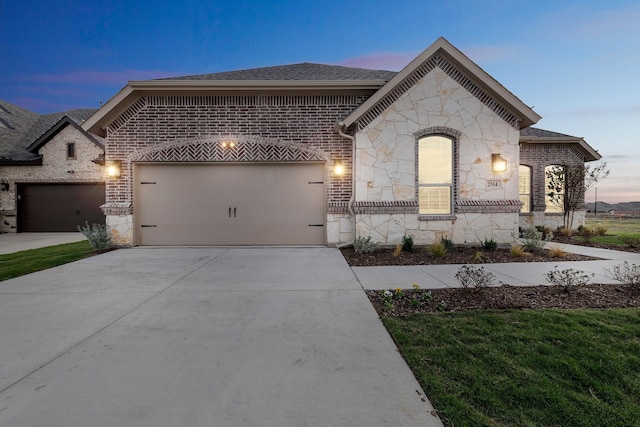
(25, 262)
(527, 367)
(615, 227)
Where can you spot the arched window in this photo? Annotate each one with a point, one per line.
(554, 188)
(524, 185)
(435, 175)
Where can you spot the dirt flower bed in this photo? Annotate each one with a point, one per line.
(459, 255)
(574, 240)
(405, 302)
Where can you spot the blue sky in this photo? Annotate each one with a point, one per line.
(577, 63)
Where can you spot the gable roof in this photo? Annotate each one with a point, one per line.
(533, 135)
(25, 128)
(303, 77)
(56, 128)
(402, 81)
(304, 71)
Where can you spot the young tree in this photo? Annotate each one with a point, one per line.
(568, 184)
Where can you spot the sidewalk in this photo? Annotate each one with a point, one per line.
(16, 242)
(514, 274)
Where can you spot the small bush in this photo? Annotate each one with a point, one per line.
(407, 243)
(363, 245)
(626, 273)
(97, 235)
(438, 250)
(478, 257)
(631, 241)
(586, 233)
(469, 276)
(533, 240)
(448, 244)
(565, 231)
(518, 251)
(568, 278)
(489, 245)
(556, 252)
(397, 250)
(600, 230)
(544, 230)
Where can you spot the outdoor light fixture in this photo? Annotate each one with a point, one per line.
(338, 168)
(498, 164)
(114, 168)
(229, 144)
(4, 186)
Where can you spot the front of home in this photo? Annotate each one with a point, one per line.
(311, 154)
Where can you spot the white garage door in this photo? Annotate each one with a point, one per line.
(230, 204)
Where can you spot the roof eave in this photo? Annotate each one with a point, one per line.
(590, 154)
(125, 97)
(526, 115)
(55, 129)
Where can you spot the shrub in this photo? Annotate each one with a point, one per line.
(407, 243)
(97, 235)
(364, 245)
(565, 231)
(533, 240)
(518, 251)
(478, 257)
(489, 245)
(469, 276)
(568, 278)
(556, 252)
(438, 250)
(397, 250)
(601, 231)
(626, 273)
(631, 241)
(544, 230)
(585, 233)
(448, 243)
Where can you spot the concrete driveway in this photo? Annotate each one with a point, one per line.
(200, 337)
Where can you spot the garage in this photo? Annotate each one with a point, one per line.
(230, 204)
(59, 207)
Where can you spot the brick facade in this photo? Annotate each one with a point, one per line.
(296, 121)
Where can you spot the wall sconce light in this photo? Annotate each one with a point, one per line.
(498, 164)
(4, 186)
(228, 144)
(338, 168)
(114, 168)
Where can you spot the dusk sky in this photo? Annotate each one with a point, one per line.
(577, 63)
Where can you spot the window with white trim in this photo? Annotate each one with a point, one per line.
(524, 188)
(435, 175)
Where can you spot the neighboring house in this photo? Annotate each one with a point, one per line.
(51, 177)
(317, 154)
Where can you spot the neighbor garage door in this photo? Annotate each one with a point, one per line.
(230, 204)
(59, 207)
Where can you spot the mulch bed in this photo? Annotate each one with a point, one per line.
(459, 255)
(409, 302)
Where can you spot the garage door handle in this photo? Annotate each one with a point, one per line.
(234, 212)
(316, 225)
(229, 212)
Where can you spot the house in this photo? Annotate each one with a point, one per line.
(308, 154)
(51, 171)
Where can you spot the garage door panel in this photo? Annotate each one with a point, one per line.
(256, 204)
(59, 207)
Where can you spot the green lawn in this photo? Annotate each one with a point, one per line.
(615, 227)
(25, 262)
(527, 367)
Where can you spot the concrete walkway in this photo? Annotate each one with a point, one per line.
(16, 242)
(515, 274)
(201, 337)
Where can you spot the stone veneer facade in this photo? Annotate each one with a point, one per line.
(486, 204)
(538, 157)
(55, 168)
